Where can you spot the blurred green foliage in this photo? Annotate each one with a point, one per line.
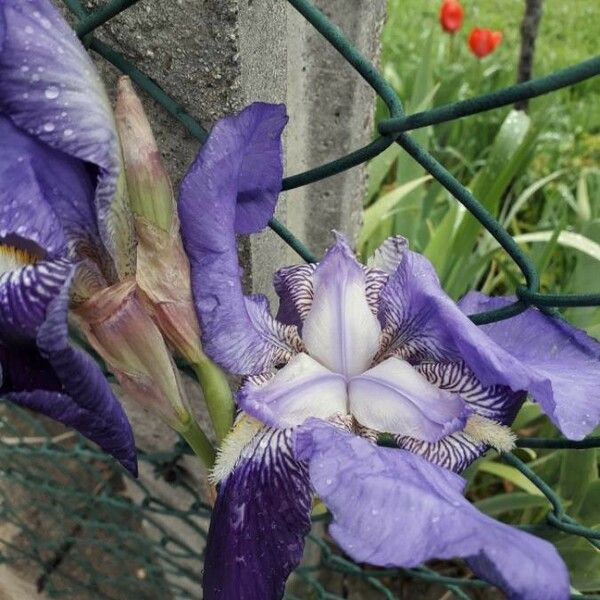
(539, 174)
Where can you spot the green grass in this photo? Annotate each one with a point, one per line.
(569, 33)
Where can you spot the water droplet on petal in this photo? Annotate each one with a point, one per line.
(68, 132)
(51, 92)
(49, 126)
(24, 69)
(35, 77)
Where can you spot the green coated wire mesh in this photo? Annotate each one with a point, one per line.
(82, 529)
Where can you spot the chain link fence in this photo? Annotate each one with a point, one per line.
(81, 528)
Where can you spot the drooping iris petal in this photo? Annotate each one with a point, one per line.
(340, 330)
(393, 508)
(50, 194)
(498, 403)
(562, 362)
(393, 397)
(258, 525)
(51, 91)
(208, 212)
(303, 388)
(50, 376)
(422, 323)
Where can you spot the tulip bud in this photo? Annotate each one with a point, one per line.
(451, 16)
(483, 41)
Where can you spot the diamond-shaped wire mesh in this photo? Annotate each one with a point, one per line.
(83, 530)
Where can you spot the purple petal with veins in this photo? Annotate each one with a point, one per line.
(51, 91)
(392, 508)
(258, 525)
(208, 207)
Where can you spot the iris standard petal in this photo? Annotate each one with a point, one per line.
(60, 381)
(562, 362)
(393, 508)
(259, 521)
(301, 389)
(553, 361)
(394, 397)
(209, 196)
(340, 330)
(51, 90)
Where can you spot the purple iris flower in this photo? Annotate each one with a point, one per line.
(64, 228)
(357, 351)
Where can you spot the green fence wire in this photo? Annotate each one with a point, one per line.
(84, 530)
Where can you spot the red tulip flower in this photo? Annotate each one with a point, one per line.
(451, 16)
(483, 41)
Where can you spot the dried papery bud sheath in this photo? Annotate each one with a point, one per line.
(118, 327)
(150, 190)
(163, 270)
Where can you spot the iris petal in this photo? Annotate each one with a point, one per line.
(498, 403)
(47, 197)
(303, 388)
(393, 397)
(208, 206)
(393, 508)
(561, 361)
(558, 364)
(49, 375)
(51, 90)
(389, 255)
(258, 525)
(294, 286)
(340, 330)
(25, 295)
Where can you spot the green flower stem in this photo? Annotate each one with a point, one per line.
(217, 395)
(198, 442)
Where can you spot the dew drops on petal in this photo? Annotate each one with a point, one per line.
(51, 92)
(68, 132)
(49, 126)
